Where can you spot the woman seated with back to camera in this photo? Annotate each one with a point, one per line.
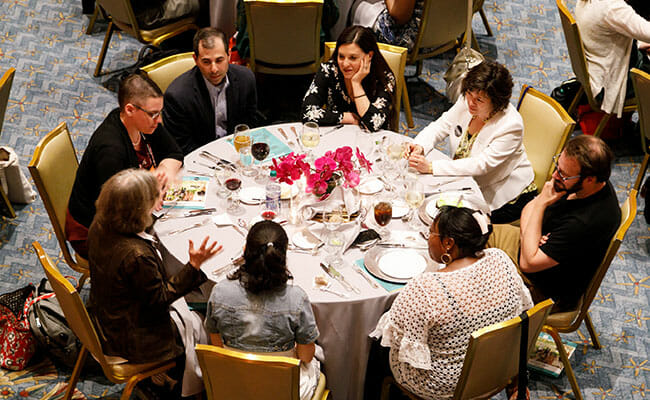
(429, 325)
(130, 295)
(254, 310)
(486, 141)
(356, 86)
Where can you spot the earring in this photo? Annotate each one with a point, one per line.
(446, 258)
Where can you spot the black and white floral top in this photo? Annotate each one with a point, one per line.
(327, 99)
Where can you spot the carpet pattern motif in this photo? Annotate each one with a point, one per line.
(45, 41)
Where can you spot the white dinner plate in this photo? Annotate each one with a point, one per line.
(402, 264)
(371, 186)
(307, 242)
(252, 195)
(400, 208)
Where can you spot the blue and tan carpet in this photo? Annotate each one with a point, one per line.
(54, 59)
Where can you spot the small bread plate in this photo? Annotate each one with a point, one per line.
(397, 265)
(400, 208)
(305, 240)
(371, 186)
(252, 195)
(431, 205)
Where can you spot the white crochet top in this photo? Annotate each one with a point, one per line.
(429, 325)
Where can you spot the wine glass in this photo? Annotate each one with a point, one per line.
(222, 173)
(242, 143)
(310, 137)
(334, 243)
(414, 198)
(242, 137)
(233, 183)
(260, 150)
(383, 210)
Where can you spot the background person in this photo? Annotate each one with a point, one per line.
(485, 136)
(356, 86)
(208, 101)
(429, 325)
(130, 295)
(393, 22)
(130, 137)
(254, 310)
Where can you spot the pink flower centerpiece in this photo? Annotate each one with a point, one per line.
(332, 169)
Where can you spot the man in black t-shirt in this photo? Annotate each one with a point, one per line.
(566, 229)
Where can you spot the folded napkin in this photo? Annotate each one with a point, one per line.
(349, 231)
(339, 196)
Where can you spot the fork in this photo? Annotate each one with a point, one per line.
(187, 228)
(358, 270)
(328, 288)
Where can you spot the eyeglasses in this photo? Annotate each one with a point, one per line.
(557, 169)
(152, 114)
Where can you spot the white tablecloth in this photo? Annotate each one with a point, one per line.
(344, 324)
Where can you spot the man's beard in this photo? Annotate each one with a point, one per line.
(560, 187)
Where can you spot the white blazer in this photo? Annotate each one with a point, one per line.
(497, 161)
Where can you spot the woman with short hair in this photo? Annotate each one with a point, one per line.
(429, 325)
(356, 86)
(485, 136)
(255, 310)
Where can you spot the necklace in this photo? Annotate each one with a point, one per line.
(137, 142)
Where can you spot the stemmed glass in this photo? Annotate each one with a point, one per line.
(414, 198)
(242, 143)
(222, 173)
(383, 210)
(260, 150)
(310, 137)
(233, 183)
(333, 217)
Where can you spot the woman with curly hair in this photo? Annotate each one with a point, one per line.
(256, 311)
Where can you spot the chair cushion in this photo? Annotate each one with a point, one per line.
(123, 372)
(564, 318)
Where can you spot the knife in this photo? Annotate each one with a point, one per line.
(337, 275)
(193, 213)
(219, 160)
(403, 246)
(337, 127)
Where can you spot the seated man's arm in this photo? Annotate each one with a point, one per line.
(178, 122)
(531, 256)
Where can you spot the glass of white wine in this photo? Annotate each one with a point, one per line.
(310, 137)
(414, 198)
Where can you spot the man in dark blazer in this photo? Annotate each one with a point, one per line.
(208, 101)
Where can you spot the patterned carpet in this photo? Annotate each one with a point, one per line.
(45, 41)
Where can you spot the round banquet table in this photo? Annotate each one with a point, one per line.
(344, 323)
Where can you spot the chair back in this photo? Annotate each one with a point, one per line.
(576, 51)
(641, 82)
(492, 358)
(442, 23)
(546, 129)
(284, 36)
(54, 168)
(72, 306)
(230, 374)
(628, 213)
(122, 15)
(5, 88)
(395, 57)
(165, 70)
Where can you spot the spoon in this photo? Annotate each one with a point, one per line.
(363, 246)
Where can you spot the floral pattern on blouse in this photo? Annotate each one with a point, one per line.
(388, 31)
(326, 100)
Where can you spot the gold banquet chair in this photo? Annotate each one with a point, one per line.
(284, 36)
(580, 69)
(395, 56)
(77, 317)
(570, 321)
(477, 7)
(5, 89)
(121, 16)
(230, 374)
(641, 82)
(164, 71)
(54, 168)
(491, 361)
(546, 130)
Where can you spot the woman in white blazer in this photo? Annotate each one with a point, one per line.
(486, 142)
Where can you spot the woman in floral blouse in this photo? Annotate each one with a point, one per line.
(356, 86)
